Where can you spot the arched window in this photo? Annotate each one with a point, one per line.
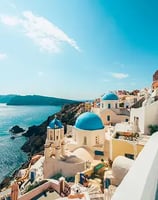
(108, 117)
(109, 105)
(85, 140)
(50, 135)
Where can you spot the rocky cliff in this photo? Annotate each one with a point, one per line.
(37, 134)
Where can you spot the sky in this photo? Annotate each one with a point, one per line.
(77, 49)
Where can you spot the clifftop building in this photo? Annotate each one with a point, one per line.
(57, 160)
(89, 131)
(54, 145)
(109, 110)
(147, 113)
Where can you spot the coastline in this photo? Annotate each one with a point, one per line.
(36, 135)
(10, 177)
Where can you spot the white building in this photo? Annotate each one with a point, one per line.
(89, 130)
(57, 160)
(130, 100)
(54, 145)
(147, 114)
(109, 100)
(109, 110)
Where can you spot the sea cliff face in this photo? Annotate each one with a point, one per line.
(37, 134)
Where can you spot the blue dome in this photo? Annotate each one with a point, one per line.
(89, 121)
(55, 124)
(110, 96)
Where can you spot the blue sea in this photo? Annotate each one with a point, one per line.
(11, 157)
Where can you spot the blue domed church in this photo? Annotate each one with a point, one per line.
(109, 100)
(109, 110)
(59, 159)
(89, 139)
(89, 131)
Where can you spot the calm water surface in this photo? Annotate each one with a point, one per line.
(11, 157)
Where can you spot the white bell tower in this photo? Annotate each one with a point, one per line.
(55, 139)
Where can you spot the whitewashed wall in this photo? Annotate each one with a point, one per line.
(90, 135)
(140, 113)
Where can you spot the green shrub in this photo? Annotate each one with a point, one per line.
(153, 128)
(70, 179)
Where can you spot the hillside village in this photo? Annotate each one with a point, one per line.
(113, 139)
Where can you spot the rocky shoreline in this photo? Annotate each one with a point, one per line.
(36, 136)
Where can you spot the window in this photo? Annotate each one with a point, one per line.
(126, 120)
(128, 155)
(109, 105)
(51, 136)
(85, 140)
(54, 135)
(115, 105)
(108, 117)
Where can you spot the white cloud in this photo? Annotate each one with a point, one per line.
(3, 56)
(42, 32)
(119, 75)
(10, 21)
